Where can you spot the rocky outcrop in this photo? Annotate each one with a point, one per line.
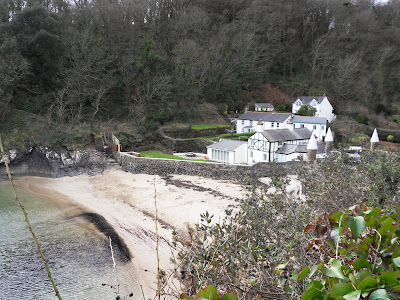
(42, 161)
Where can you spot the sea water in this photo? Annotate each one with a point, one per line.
(79, 259)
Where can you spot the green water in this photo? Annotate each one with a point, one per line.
(79, 259)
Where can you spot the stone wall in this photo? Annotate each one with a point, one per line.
(164, 167)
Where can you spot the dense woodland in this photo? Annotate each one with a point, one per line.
(156, 60)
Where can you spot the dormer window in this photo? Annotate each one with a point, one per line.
(298, 102)
(313, 103)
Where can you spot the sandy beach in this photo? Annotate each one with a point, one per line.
(127, 202)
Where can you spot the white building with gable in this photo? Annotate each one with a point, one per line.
(321, 104)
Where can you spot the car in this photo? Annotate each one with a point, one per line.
(190, 154)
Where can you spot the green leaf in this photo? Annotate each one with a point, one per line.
(335, 270)
(314, 269)
(341, 289)
(209, 293)
(185, 297)
(386, 225)
(312, 293)
(396, 261)
(356, 224)
(353, 295)
(367, 282)
(335, 216)
(303, 273)
(380, 294)
(361, 263)
(231, 295)
(389, 276)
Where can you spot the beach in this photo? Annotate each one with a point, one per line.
(128, 203)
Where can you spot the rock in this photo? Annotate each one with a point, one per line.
(55, 163)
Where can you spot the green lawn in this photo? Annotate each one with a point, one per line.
(159, 154)
(207, 126)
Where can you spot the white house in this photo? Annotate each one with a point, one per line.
(263, 145)
(247, 122)
(229, 151)
(321, 104)
(317, 125)
(263, 107)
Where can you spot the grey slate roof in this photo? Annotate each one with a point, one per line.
(227, 145)
(308, 99)
(281, 135)
(287, 149)
(292, 148)
(309, 120)
(264, 105)
(264, 116)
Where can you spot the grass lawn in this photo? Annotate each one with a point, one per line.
(159, 154)
(206, 126)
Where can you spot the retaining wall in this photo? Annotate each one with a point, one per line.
(164, 167)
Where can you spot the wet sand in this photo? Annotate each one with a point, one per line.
(127, 202)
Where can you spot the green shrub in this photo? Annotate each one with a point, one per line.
(390, 138)
(396, 118)
(358, 254)
(360, 139)
(306, 110)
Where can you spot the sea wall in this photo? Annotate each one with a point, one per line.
(164, 167)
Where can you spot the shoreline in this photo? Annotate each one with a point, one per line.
(126, 202)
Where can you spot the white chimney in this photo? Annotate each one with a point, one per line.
(312, 148)
(328, 141)
(374, 140)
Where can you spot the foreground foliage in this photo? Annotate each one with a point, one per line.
(261, 249)
(211, 293)
(357, 254)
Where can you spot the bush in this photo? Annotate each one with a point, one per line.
(358, 254)
(306, 110)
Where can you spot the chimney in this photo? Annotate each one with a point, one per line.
(246, 109)
(260, 126)
(328, 141)
(323, 95)
(312, 148)
(374, 140)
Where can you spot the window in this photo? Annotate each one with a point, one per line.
(323, 127)
(242, 129)
(272, 124)
(242, 122)
(302, 125)
(277, 125)
(265, 156)
(252, 142)
(315, 127)
(294, 125)
(251, 154)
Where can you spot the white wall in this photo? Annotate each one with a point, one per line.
(240, 124)
(240, 154)
(326, 110)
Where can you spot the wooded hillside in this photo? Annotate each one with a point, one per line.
(156, 60)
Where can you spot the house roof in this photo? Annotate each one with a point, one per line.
(265, 117)
(287, 149)
(308, 99)
(280, 135)
(227, 145)
(309, 120)
(264, 105)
